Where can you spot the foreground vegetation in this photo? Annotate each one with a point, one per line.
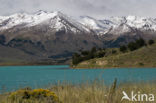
(135, 54)
(28, 95)
(95, 92)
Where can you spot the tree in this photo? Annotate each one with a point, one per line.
(76, 58)
(100, 54)
(150, 42)
(84, 53)
(93, 50)
(123, 48)
(100, 49)
(140, 43)
(137, 44)
(132, 46)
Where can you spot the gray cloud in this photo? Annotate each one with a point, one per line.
(95, 8)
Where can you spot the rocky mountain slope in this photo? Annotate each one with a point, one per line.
(54, 36)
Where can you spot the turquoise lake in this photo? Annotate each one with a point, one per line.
(14, 77)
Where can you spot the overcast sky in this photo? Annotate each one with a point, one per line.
(95, 8)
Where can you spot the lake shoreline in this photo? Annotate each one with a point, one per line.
(88, 67)
(70, 67)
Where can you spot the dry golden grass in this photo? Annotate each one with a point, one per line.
(99, 93)
(95, 92)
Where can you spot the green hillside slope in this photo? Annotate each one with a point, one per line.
(13, 56)
(143, 57)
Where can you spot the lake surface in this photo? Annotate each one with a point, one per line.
(14, 77)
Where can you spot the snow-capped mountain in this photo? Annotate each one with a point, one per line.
(119, 25)
(59, 21)
(100, 27)
(55, 20)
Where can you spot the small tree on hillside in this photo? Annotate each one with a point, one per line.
(76, 58)
(93, 50)
(150, 42)
(84, 53)
(137, 44)
(132, 46)
(100, 54)
(140, 43)
(123, 48)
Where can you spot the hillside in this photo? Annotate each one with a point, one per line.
(143, 57)
(15, 56)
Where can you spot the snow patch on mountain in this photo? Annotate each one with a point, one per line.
(120, 25)
(55, 20)
(7, 22)
(59, 21)
(99, 26)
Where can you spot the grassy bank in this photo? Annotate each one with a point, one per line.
(95, 92)
(143, 57)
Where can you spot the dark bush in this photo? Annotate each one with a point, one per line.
(114, 51)
(150, 42)
(76, 58)
(84, 53)
(100, 49)
(123, 48)
(132, 46)
(137, 44)
(100, 54)
(93, 50)
(140, 43)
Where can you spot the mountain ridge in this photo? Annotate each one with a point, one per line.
(83, 23)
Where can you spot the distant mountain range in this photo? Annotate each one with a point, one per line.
(53, 36)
